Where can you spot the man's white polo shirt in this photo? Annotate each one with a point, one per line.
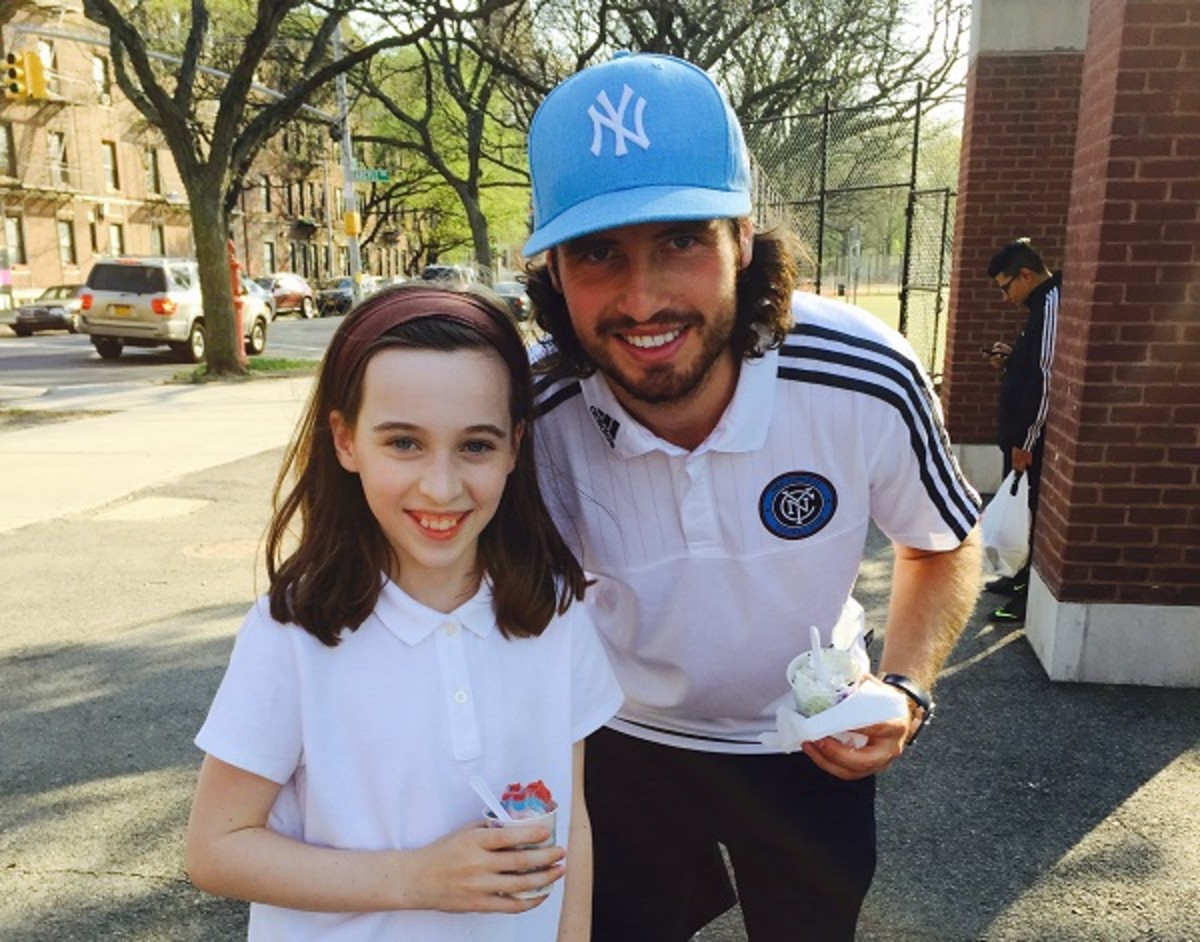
(712, 564)
(375, 741)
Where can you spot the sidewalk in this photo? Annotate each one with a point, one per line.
(136, 435)
(1029, 811)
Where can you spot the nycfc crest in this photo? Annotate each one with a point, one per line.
(797, 504)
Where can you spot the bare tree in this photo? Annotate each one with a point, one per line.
(215, 125)
(772, 57)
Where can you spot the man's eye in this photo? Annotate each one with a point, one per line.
(403, 443)
(683, 242)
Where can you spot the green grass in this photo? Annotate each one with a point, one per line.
(255, 366)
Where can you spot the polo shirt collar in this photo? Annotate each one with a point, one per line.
(742, 427)
(412, 622)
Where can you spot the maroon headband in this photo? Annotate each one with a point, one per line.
(379, 314)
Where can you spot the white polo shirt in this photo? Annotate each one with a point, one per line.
(712, 564)
(375, 741)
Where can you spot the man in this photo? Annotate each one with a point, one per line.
(716, 468)
(1024, 280)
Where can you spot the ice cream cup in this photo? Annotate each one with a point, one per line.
(546, 820)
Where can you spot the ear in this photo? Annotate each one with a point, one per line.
(745, 242)
(343, 441)
(552, 271)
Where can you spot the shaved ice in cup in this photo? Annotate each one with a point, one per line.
(824, 676)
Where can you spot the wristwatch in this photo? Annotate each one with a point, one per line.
(917, 694)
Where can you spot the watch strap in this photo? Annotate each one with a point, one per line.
(917, 694)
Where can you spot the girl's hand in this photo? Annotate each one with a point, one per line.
(476, 869)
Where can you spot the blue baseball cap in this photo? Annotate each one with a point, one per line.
(640, 138)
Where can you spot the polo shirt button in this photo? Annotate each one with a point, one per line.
(450, 629)
(460, 696)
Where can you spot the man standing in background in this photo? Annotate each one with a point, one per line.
(1023, 279)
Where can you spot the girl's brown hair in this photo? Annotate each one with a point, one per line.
(764, 303)
(332, 578)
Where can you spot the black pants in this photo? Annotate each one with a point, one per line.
(801, 842)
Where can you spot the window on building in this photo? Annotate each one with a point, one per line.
(158, 240)
(56, 143)
(264, 193)
(116, 238)
(153, 175)
(66, 242)
(8, 152)
(269, 257)
(14, 235)
(94, 236)
(102, 79)
(112, 178)
(49, 57)
(291, 209)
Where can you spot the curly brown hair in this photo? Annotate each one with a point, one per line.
(331, 579)
(764, 302)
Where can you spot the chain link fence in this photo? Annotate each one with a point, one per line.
(845, 182)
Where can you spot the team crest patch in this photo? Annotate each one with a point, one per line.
(797, 504)
(607, 424)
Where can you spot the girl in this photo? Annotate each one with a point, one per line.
(420, 632)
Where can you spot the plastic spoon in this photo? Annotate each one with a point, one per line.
(489, 799)
(814, 639)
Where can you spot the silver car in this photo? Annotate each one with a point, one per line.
(151, 302)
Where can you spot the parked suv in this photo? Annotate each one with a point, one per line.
(149, 302)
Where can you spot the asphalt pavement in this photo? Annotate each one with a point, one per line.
(131, 520)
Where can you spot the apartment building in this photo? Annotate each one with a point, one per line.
(83, 175)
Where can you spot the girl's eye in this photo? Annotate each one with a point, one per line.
(403, 443)
(479, 447)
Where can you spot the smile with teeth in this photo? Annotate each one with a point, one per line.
(439, 523)
(650, 341)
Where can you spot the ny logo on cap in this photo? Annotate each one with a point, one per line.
(614, 120)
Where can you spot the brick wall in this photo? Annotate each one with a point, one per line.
(1014, 180)
(1120, 507)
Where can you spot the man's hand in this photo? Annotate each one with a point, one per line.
(997, 354)
(885, 743)
(1021, 459)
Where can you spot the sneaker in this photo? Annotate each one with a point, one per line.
(1012, 612)
(1009, 585)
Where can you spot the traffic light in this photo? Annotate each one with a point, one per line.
(35, 76)
(15, 87)
(24, 76)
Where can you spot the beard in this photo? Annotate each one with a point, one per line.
(668, 382)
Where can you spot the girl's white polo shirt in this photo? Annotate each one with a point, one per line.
(374, 741)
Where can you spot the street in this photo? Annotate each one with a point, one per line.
(57, 358)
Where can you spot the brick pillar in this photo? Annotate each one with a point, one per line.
(1018, 151)
(1115, 595)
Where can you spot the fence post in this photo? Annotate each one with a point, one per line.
(909, 212)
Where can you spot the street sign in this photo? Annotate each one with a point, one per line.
(369, 175)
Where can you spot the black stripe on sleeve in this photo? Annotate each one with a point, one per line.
(926, 433)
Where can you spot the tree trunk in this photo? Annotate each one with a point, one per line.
(210, 229)
(480, 235)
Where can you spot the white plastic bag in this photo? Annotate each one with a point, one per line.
(1006, 522)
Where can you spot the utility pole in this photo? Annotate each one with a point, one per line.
(353, 223)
